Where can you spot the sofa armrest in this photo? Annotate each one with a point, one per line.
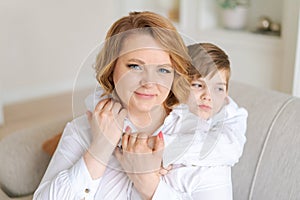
(3, 196)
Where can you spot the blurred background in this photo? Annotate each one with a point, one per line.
(44, 44)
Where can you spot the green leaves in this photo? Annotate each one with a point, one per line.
(231, 4)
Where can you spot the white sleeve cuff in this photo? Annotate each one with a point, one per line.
(81, 180)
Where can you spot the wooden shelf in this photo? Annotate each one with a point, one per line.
(235, 36)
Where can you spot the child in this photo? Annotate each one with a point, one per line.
(195, 153)
(222, 139)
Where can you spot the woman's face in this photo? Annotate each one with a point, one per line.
(143, 74)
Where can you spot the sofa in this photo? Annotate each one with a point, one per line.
(268, 169)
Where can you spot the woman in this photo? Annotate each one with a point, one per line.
(75, 171)
(143, 67)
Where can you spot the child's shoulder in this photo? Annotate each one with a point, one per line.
(233, 107)
(230, 110)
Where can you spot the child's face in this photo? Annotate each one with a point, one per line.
(208, 95)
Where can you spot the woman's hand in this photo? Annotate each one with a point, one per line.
(141, 158)
(106, 123)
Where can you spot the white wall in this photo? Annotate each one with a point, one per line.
(1, 111)
(296, 88)
(289, 35)
(43, 43)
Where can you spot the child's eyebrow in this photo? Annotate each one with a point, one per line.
(221, 83)
(199, 79)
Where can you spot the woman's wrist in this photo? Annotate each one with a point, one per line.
(94, 166)
(150, 181)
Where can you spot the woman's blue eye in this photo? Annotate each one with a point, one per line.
(163, 70)
(134, 66)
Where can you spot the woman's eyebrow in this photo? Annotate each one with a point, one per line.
(166, 65)
(136, 61)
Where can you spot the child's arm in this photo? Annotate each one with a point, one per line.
(203, 183)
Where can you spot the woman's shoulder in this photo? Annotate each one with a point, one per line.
(78, 129)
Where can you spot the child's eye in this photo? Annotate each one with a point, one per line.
(134, 66)
(220, 89)
(197, 85)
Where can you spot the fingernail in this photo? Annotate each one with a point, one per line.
(127, 129)
(160, 135)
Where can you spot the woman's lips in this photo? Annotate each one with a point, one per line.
(144, 95)
(205, 107)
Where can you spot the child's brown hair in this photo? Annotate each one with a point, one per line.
(208, 58)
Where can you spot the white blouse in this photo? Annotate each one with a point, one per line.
(201, 151)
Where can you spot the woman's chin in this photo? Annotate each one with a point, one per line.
(141, 108)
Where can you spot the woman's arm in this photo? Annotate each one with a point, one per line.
(67, 176)
(141, 158)
(80, 160)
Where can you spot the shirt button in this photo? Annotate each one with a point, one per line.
(87, 190)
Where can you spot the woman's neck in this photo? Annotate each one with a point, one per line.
(148, 122)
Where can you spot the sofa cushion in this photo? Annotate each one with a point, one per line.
(50, 145)
(262, 106)
(23, 162)
(278, 173)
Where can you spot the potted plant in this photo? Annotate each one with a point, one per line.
(234, 13)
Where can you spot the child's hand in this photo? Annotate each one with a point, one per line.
(163, 171)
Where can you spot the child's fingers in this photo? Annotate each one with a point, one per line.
(164, 171)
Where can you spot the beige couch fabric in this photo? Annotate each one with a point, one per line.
(267, 168)
(23, 161)
(278, 175)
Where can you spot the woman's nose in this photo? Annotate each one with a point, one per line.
(147, 83)
(148, 79)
